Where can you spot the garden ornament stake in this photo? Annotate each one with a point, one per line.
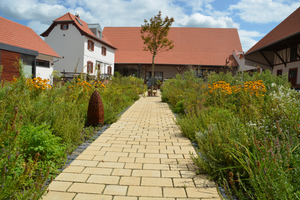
(95, 113)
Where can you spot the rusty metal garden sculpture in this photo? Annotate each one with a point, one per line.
(95, 115)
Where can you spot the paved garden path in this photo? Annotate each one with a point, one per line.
(142, 156)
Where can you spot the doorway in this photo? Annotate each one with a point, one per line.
(293, 76)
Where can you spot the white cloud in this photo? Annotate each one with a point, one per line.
(38, 27)
(39, 14)
(264, 11)
(31, 10)
(199, 5)
(199, 20)
(115, 12)
(130, 13)
(249, 38)
(245, 33)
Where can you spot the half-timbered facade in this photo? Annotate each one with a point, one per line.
(279, 50)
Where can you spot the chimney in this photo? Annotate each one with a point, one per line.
(77, 15)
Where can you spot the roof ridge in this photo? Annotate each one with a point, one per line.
(277, 32)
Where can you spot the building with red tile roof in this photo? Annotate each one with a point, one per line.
(279, 50)
(19, 41)
(80, 45)
(199, 48)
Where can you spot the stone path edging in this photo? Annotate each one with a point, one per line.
(143, 156)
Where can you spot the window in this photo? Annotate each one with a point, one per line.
(279, 72)
(42, 63)
(28, 68)
(109, 70)
(89, 67)
(157, 76)
(201, 73)
(103, 51)
(64, 26)
(90, 45)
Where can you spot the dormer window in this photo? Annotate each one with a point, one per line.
(103, 51)
(90, 45)
(64, 26)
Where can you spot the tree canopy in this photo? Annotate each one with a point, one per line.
(155, 32)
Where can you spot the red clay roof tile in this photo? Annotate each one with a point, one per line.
(192, 46)
(288, 27)
(84, 28)
(18, 35)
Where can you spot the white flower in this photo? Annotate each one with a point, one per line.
(273, 84)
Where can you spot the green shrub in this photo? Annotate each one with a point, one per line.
(19, 178)
(53, 124)
(40, 140)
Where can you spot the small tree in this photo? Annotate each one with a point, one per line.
(154, 34)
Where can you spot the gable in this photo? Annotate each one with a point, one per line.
(81, 26)
(287, 28)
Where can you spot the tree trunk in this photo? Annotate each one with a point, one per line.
(152, 74)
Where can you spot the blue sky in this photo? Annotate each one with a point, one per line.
(252, 18)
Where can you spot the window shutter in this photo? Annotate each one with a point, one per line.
(92, 68)
(88, 67)
(104, 51)
(89, 44)
(92, 46)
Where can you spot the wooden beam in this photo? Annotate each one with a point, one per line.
(270, 64)
(279, 56)
(295, 52)
(180, 68)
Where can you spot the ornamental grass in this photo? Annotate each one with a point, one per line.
(246, 128)
(41, 125)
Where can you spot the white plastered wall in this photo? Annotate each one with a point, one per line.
(286, 69)
(241, 61)
(69, 45)
(44, 72)
(96, 55)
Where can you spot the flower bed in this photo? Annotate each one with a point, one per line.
(247, 130)
(41, 124)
